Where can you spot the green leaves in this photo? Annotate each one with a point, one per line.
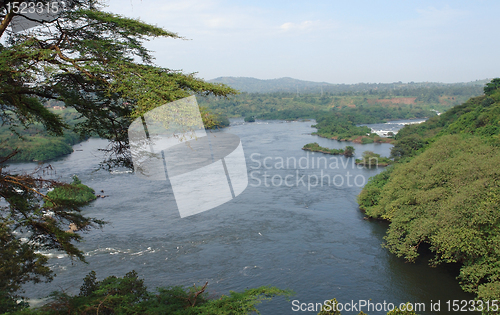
(95, 63)
(129, 295)
(18, 265)
(447, 193)
(446, 197)
(492, 87)
(373, 159)
(74, 194)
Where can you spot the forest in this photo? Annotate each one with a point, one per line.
(284, 105)
(443, 195)
(290, 85)
(338, 115)
(34, 143)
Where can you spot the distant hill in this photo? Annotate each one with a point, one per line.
(253, 85)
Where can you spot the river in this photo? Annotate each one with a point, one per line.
(298, 234)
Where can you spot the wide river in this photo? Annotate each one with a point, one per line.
(299, 234)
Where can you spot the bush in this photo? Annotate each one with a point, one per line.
(74, 193)
(129, 295)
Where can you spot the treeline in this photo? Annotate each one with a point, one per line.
(337, 126)
(290, 85)
(338, 114)
(444, 193)
(343, 124)
(376, 113)
(260, 105)
(129, 295)
(34, 143)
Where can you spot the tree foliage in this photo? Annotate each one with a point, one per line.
(129, 295)
(407, 147)
(75, 193)
(492, 86)
(94, 63)
(348, 151)
(373, 159)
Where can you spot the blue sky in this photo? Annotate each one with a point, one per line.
(331, 41)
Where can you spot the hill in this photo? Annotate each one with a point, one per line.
(253, 85)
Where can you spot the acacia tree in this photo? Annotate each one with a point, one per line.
(94, 62)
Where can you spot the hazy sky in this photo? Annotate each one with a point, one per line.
(348, 41)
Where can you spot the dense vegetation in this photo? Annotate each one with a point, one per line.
(76, 193)
(340, 112)
(339, 127)
(445, 192)
(94, 63)
(249, 119)
(129, 295)
(396, 101)
(290, 85)
(373, 159)
(213, 120)
(348, 151)
(34, 143)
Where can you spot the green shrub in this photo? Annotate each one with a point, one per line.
(366, 140)
(75, 193)
(129, 295)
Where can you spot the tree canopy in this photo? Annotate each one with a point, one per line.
(444, 194)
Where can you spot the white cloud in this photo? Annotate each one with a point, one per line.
(336, 44)
(308, 26)
(433, 17)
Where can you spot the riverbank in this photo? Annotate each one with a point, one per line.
(34, 144)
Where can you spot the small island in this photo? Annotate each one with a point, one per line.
(75, 193)
(373, 159)
(348, 151)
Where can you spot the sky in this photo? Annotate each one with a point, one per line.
(325, 41)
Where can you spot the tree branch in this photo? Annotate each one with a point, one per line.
(5, 22)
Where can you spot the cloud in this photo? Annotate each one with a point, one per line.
(349, 43)
(433, 17)
(307, 26)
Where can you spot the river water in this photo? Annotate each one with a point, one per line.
(299, 233)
